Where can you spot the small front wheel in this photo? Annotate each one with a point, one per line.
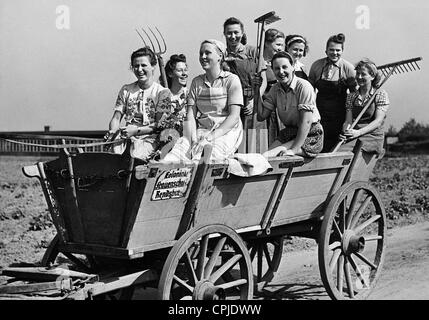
(196, 266)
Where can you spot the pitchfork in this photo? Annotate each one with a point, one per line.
(387, 70)
(161, 50)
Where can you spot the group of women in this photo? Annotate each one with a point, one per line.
(305, 112)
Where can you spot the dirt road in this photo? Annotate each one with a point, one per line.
(405, 275)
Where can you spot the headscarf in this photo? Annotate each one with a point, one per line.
(218, 45)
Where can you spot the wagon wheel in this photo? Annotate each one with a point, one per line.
(83, 263)
(352, 241)
(268, 250)
(195, 266)
(266, 255)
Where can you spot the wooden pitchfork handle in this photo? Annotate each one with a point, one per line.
(368, 103)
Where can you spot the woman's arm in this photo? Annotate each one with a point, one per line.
(113, 124)
(304, 126)
(374, 124)
(227, 124)
(190, 125)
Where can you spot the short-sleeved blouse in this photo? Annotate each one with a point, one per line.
(299, 96)
(381, 100)
(133, 100)
(213, 101)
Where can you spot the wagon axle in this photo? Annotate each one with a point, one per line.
(352, 243)
(206, 290)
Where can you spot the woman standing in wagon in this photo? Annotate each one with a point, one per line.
(369, 129)
(214, 102)
(332, 76)
(137, 104)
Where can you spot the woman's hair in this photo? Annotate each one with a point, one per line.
(282, 54)
(171, 65)
(272, 34)
(296, 38)
(233, 20)
(338, 38)
(146, 51)
(372, 70)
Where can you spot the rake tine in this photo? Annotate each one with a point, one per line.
(412, 65)
(163, 40)
(405, 67)
(141, 38)
(153, 47)
(417, 65)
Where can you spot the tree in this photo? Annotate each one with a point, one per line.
(413, 131)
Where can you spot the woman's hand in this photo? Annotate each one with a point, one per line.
(346, 126)
(351, 134)
(109, 135)
(129, 131)
(256, 80)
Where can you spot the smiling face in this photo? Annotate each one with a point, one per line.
(277, 45)
(283, 70)
(363, 76)
(180, 74)
(334, 51)
(296, 49)
(143, 70)
(233, 34)
(209, 56)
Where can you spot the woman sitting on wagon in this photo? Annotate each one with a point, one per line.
(214, 102)
(369, 129)
(176, 70)
(295, 101)
(137, 104)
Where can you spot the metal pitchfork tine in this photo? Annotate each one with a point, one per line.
(161, 50)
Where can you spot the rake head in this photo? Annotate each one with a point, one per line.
(161, 48)
(400, 66)
(268, 18)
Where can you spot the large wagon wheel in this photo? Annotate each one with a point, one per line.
(83, 263)
(196, 264)
(352, 241)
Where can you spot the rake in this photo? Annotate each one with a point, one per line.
(161, 50)
(386, 70)
(262, 21)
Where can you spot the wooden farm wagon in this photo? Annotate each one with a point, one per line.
(196, 231)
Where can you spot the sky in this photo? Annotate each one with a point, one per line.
(62, 62)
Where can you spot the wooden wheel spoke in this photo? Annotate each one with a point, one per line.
(336, 228)
(334, 245)
(359, 212)
(334, 260)
(367, 223)
(202, 256)
(358, 272)
(348, 278)
(373, 238)
(183, 283)
(190, 265)
(213, 258)
(228, 265)
(340, 273)
(267, 256)
(252, 253)
(232, 284)
(353, 203)
(259, 267)
(343, 211)
(366, 260)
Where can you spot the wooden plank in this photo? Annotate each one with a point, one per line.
(64, 284)
(44, 274)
